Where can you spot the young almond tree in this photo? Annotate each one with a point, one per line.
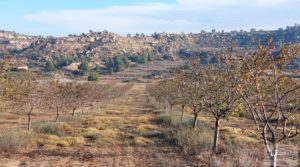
(271, 95)
(160, 93)
(86, 93)
(196, 90)
(221, 86)
(73, 93)
(56, 96)
(182, 90)
(172, 92)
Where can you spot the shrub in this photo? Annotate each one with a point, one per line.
(93, 77)
(116, 64)
(49, 66)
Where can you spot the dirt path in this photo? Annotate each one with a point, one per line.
(132, 138)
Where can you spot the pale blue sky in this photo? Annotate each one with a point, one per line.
(63, 17)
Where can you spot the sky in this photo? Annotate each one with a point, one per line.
(63, 17)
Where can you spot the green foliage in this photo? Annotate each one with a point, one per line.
(93, 77)
(61, 62)
(83, 66)
(116, 64)
(143, 58)
(58, 62)
(204, 58)
(140, 59)
(213, 60)
(49, 66)
(48, 128)
(1, 53)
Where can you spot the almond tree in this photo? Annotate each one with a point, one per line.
(196, 90)
(57, 96)
(73, 93)
(160, 92)
(271, 95)
(221, 87)
(182, 90)
(86, 94)
(171, 86)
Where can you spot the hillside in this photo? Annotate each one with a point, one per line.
(96, 47)
(106, 44)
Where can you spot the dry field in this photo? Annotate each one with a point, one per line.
(122, 133)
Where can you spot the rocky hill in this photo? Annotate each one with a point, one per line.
(100, 45)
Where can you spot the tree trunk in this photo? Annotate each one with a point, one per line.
(92, 107)
(81, 110)
(182, 111)
(171, 108)
(73, 113)
(216, 135)
(29, 119)
(57, 114)
(195, 120)
(274, 157)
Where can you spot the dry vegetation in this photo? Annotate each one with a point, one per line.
(205, 116)
(253, 85)
(122, 132)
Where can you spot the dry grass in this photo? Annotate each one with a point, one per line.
(242, 135)
(141, 141)
(109, 137)
(12, 141)
(98, 122)
(146, 127)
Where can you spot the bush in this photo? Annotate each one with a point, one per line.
(13, 141)
(49, 66)
(62, 61)
(116, 64)
(93, 77)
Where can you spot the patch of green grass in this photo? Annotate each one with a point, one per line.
(49, 129)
